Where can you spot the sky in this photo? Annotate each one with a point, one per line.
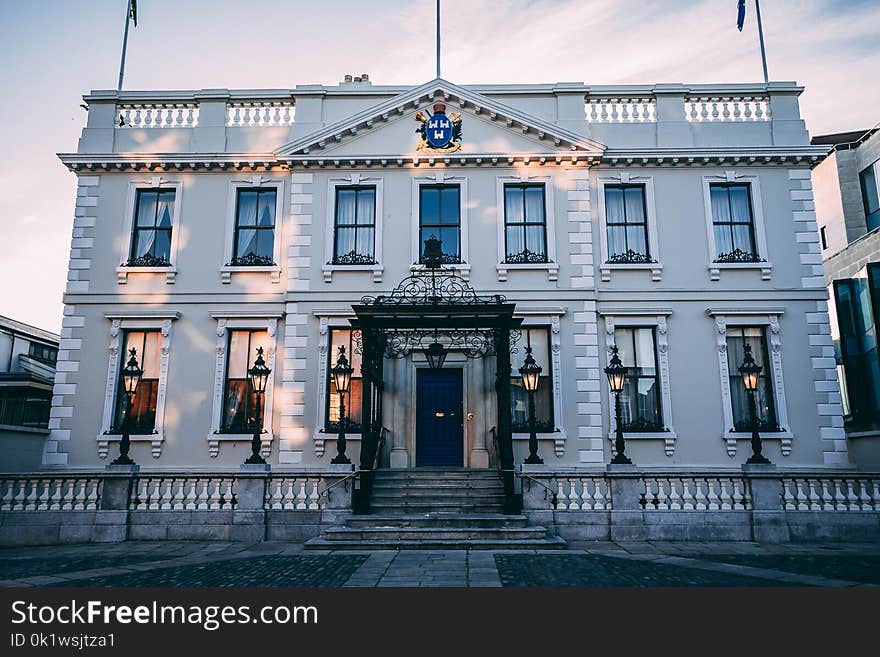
(54, 51)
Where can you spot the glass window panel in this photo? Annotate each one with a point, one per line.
(366, 207)
(165, 209)
(635, 238)
(742, 237)
(239, 352)
(535, 203)
(144, 241)
(741, 211)
(535, 239)
(247, 208)
(723, 239)
(146, 212)
(346, 207)
(720, 203)
(634, 201)
(266, 243)
(449, 205)
(616, 240)
(162, 247)
(614, 205)
(449, 237)
(266, 210)
(539, 338)
(235, 405)
(430, 205)
(513, 204)
(514, 240)
(366, 241)
(247, 242)
(644, 348)
(149, 357)
(345, 240)
(624, 339)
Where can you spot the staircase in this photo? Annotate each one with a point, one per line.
(435, 509)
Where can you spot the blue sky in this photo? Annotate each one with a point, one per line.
(54, 51)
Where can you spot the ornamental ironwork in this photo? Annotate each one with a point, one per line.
(738, 255)
(252, 260)
(630, 257)
(541, 426)
(472, 343)
(525, 257)
(353, 258)
(764, 426)
(643, 425)
(148, 260)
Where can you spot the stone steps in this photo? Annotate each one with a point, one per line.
(440, 520)
(547, 543)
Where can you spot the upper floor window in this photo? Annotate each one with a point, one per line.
(254, 240)
(146, 344)
(440, 217)
(25, 407)
(539, 340)
(871, 195)
(525, 223)
(627, 224)
(354, 396)
(732, 222)
(354, 231)
(240, 400)
(43, 353)
(640, 400)
(737, 338)
(151, 235)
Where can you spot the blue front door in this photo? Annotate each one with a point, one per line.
(439, 421)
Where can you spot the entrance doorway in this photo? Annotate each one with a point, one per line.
(439, 418)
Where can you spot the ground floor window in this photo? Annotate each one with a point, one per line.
(143, 410)
(240, 400)
(539, 340)
(640, 400)
(25, 407)
(737, 338)
(354, 396)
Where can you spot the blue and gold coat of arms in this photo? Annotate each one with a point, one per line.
(439, 132)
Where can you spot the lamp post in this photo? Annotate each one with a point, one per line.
(259, 376)
(131, 376)
(530, 373)
(615, 372)
(341, 373)
(750, 371)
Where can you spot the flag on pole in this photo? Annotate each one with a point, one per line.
(133, 12)
(740, 14)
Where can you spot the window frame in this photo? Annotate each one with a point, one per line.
(439, 226)
(504, 268)
(874, 168)
(440, 178)
(766, 374)
(331, 397)
(356, 226)
(765, 266)
(151, 183)
(525, 223)
(136, 229)
(353, 180)
(272, 271)
(730, 224)
(628, 375)
(623, 187)
(225, 427)
(607, 269)
(48, 361)
(548, 370)
(237, 227)
(120, 392)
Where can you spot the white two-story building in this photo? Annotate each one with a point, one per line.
(673, 221)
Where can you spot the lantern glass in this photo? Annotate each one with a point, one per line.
(749, 370)
(131, 373)
(615, 372)
(530, 372)
(342, 372)
(259, 373)
(436, 355)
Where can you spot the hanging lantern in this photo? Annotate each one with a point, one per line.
(341, 372)
(530, 372)
(259, 373)
(615, 372)
(131, 373)
(436, 354)
(749, 370)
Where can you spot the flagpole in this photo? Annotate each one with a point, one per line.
(760, 37)
(438, 38)
(124, 44)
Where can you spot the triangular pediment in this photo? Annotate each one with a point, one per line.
(390, 129)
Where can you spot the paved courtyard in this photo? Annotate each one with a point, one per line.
(282, 565)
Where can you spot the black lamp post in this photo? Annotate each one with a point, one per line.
(530, 373)
(750, 371)
(259, 376)
(341, 373)
(131, 376)
(615, 372)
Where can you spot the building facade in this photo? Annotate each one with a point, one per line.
(674, 222)
(848, 214)
(27, 374)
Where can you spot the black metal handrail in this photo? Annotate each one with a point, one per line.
(554, 495)
(357, 472)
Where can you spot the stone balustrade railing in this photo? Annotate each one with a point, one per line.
(582, 492)
(259, 113)
(293, 492)
(824, 493)
(157, 115)
(632, 109)
(183, 492)
(50, 493)
(689, 492)
(727, 108)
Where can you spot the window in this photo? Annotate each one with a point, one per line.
(143, 410)
(871, 195)
(25, 407)
(440, 217)
(525, 223)
(43, 353)
(151, 235)
(355, 226)
(824, 237)
(737, 338)
(539, 340)
(732, 223)
(254, 241)
(627, 224)
(641, 407)
(239, 398)
(353, 398)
